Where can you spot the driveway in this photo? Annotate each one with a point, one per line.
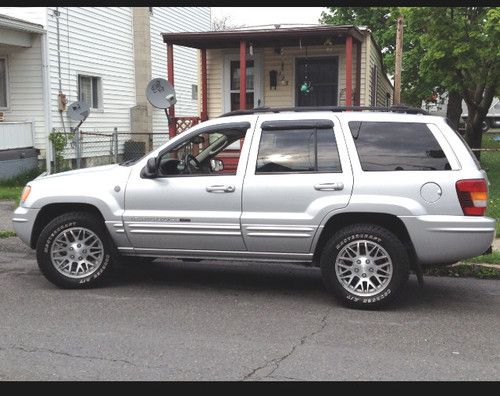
(238, 321)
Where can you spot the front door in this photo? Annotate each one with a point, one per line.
(322, 73)
(192, 205)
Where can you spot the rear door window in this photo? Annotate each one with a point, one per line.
(396, 146)
(298, 150)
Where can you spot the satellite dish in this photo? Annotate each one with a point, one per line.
(78, 111)
(161, 93)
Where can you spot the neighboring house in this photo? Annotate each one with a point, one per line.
(247, 68)
(102, 55)
(335, 59)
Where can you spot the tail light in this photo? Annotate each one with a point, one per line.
(473, 196)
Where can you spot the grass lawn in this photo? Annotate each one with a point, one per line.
(490, 162)
(11, 188)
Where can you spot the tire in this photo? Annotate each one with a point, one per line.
(384, 277)
(85, 235)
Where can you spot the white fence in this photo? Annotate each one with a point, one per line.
(16, 135)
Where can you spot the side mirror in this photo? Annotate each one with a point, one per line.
(150, 170)
(217, 165)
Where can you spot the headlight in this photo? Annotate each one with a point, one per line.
(25, 194)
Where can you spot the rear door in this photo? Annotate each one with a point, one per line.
(298, 172)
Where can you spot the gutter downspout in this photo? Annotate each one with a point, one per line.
(46, 99)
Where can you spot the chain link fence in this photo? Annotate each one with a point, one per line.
(84, 149)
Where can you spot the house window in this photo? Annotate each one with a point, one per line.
(3, 83)
(194, 92)
(89, 91)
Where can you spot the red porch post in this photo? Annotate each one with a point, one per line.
(204, 93)
(348, 71)
(170, 78)
(357, 97)
(243, 75)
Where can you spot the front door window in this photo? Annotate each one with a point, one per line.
(235, 85)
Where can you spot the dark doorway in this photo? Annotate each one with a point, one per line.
(322, 73)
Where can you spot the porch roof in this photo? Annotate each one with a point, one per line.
(8, 22)
(282, 37)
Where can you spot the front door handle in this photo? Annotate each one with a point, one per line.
(329, 186)
(225, 188)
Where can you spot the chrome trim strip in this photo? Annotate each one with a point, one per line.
(277, 234)
(460, 229)
(186, 232)
(19, 220)
(278, 228)
(185, 225)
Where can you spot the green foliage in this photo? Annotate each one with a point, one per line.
(7, 234)
(465, 271)
(493, 258)
(59, 141)
(445, 48)
(490, 162)
(11, 188)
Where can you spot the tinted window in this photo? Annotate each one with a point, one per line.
(299, 150)
(392, 146)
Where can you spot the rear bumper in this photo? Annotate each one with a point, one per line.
(447, 239)
(23, 221)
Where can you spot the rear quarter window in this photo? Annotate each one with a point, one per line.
(397, 146)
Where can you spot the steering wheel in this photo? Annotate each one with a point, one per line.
(187, 160)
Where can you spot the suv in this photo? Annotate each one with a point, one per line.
(366, 196)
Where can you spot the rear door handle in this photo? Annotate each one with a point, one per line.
(329, 186)
(225, 188)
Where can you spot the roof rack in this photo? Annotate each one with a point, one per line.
(393, 109)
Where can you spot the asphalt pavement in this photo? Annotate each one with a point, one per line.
(173, 320)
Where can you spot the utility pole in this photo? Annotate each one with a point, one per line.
(399, 59)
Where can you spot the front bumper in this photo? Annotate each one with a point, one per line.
(23, 221)
(448, 239)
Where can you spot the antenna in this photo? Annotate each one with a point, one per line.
(160, 93)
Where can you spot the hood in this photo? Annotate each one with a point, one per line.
(85, 171)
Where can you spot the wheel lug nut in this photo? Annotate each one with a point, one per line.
(72, 256)
(371, 269)
(356, 270)
(358, 261)
(80, 258)
(84, 250)
(367, 261)
(70, 248)
(78, 245)
(363, 275)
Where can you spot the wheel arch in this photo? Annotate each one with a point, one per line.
(50, 211)
(341, 220)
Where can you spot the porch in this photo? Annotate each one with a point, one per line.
(279, 67)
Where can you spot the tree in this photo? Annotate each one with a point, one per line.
(446, 49)
(224, 23)
(461, 46)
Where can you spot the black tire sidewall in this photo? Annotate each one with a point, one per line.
(383, 237)
(47, 237)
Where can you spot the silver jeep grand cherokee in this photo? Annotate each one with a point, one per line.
(366, 196)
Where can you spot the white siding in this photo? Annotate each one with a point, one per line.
(95, 41)
(25, 100)
(186, 63)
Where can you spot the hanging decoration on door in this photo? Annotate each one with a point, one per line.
(306, 87)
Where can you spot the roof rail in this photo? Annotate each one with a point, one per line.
(393, 109)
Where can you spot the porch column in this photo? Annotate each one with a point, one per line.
(170, 78)
(357, 97)
(243, 75)
(204, 93)
(348, 71)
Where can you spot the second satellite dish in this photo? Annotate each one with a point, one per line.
(161, 93)
(78, 111)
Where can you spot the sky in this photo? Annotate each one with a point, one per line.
(254, 16)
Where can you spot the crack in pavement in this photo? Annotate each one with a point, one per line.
(46, 350)
(279, 360)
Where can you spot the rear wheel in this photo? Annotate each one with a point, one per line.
(364, 265)
(74, 251)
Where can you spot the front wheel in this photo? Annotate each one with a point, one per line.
(74, 251)
(364, 265)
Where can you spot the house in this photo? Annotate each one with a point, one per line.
(284, 67)
(102, 55)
